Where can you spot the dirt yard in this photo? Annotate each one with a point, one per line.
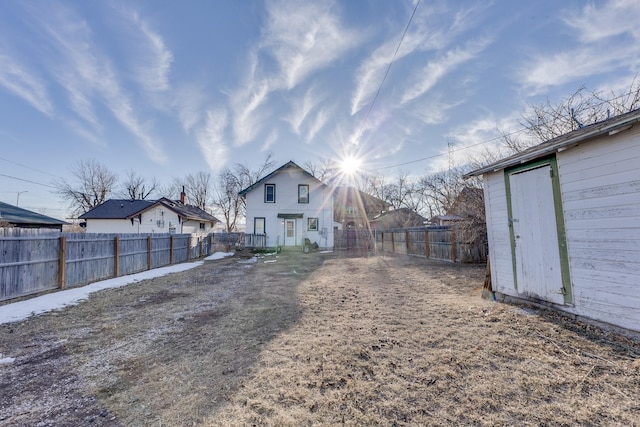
(313, 340)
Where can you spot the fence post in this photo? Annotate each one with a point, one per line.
(382, 242)
(426, 243)
(189, 248)
(148, 252)
(171, 249)
(116, 256)
(201, 241)
(454, 249)
(406, 241)
(62, 264)
(393, 243)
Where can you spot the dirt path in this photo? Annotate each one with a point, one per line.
(314, 340)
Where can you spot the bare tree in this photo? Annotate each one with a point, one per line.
(136, 187)
(226, 199)
(198, 189)
(230, 182)
(324, 171)
(93, 183)
(548, 120)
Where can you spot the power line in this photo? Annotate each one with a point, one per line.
(26, 180)
(450, 151)
(29, 167)
(366, 117)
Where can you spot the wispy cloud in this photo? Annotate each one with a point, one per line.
(607, 19)
(152, 58)
(211, 139)
(305, 37)
(15, 78)
(188, 101)
(301, 107)
(564, 67)
(87, 75)
(594, 28)
(317, 123)
(302, 38)
(433, 29)
(438, 69)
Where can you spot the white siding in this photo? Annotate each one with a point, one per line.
(320, 206)
(600, 184)
(498, 233)
(156, 220)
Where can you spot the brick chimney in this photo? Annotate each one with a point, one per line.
(182, 195)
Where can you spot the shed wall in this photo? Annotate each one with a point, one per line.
(600, 188)
(600, 185)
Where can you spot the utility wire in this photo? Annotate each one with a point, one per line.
(26, 180)
(29, 167)
(488, 140)
(366, 117)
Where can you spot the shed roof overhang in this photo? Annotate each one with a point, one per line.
(610, 126)
(290, 215)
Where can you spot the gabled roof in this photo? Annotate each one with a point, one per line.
(289, 164)
(127, 208)
(188, 211)
(402, 217)
(353, 194)
(117, 209)
(607, 127)
(15, 215)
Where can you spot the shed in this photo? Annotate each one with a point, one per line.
(23, 218)
(563, 222)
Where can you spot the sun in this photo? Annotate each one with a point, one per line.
(350, 165)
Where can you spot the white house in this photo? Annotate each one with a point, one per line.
(289, 205)
(148, 216)
(563, 222)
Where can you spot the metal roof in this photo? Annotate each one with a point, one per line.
(607, 127)
(15, 215)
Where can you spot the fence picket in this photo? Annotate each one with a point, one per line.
(33, 261)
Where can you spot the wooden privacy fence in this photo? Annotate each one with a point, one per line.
(352, 239)
(34, 262)
(436, 242)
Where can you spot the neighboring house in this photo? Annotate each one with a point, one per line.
(563, 222)
(23, 218)
(289, 205)
(148, 216)
(354, 209)
(398, 218)
(469, 204)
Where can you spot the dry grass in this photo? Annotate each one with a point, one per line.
(309, 341)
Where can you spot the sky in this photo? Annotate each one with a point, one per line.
(167, 88)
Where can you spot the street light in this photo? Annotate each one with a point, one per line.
(18, 198)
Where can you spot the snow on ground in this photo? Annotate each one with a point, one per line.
(21, 310)
(218, 255)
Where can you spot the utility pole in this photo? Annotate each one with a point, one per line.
(18, 198)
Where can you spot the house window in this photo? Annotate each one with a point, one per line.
(202, 226)
(269, 193)
(303, 193)
(258, 226)
(312, 224)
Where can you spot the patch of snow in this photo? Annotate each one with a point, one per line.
(325, 252)
(249, 261)
(218, 255)
(6, 360)
(21, 310)
(270, 260)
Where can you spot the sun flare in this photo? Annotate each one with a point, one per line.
(350, 165)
